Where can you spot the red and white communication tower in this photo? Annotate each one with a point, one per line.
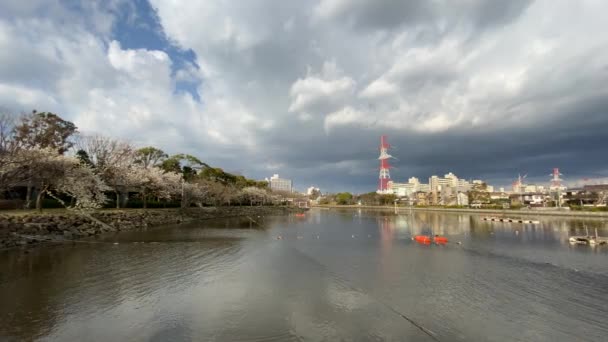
(556, 185)
(556, 182)
(385, 175)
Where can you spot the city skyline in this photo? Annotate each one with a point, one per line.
(484, 89)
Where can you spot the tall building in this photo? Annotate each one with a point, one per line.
(437, 183)
(452, 179)
(401, 189)
(281, 184)
(424, 187)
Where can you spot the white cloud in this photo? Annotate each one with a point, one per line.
(313, 92)
(417, 68)
(378, 89)
(24, 97)
(347, 116)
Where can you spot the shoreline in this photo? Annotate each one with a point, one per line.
(25, 229)
(531, 212)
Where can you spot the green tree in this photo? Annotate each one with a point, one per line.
(150, 156)
(386, 199)
(216, 174)
(479, 194)
(84, 158)
(344, 198)
(45, 130)
(171, 165)
(189, 173)
(370, 198)
(185, 164)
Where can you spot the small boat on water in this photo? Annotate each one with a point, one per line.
(300, 215)
(588, 239)
(580, 240)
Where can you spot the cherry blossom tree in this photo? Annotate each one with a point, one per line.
(255, 195)
(193, 193)
(112, 159)
(55, 174)
(155, 182)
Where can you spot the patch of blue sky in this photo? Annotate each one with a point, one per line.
(138, 27)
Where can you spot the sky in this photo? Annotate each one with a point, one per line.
(485, 89)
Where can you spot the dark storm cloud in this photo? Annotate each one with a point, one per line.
(489, 13)
(393, 14)
(377, 14)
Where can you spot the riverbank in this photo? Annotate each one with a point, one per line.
(29, 228)
(531, 212)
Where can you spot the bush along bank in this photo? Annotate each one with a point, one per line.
(34, 228)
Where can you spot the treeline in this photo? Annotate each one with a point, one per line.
(346, 198)
(44, 156)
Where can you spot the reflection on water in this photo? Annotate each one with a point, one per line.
(351, 274)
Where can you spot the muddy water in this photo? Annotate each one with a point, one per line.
(350, 275)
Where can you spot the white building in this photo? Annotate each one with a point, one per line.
(401, 189)
(449, 180)
(312, 189)
(463, 183)
(281, 184)
(462, 199)
(437, 183)
(452, 180)
(424, 188)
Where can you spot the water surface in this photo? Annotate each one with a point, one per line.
(333, 275)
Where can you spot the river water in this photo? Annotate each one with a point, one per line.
(332, 275)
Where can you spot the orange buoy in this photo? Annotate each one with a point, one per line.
(440, 240)
(422, 239)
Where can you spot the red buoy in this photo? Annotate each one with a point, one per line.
(422, 239)
(440, 240)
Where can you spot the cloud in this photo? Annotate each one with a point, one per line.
(483, 88)
(375, 14)
(438, 16)
(346, 116)
(320, 93)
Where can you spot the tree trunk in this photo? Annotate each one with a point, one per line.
(39, 198)
(28, 195)
(117, 199)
